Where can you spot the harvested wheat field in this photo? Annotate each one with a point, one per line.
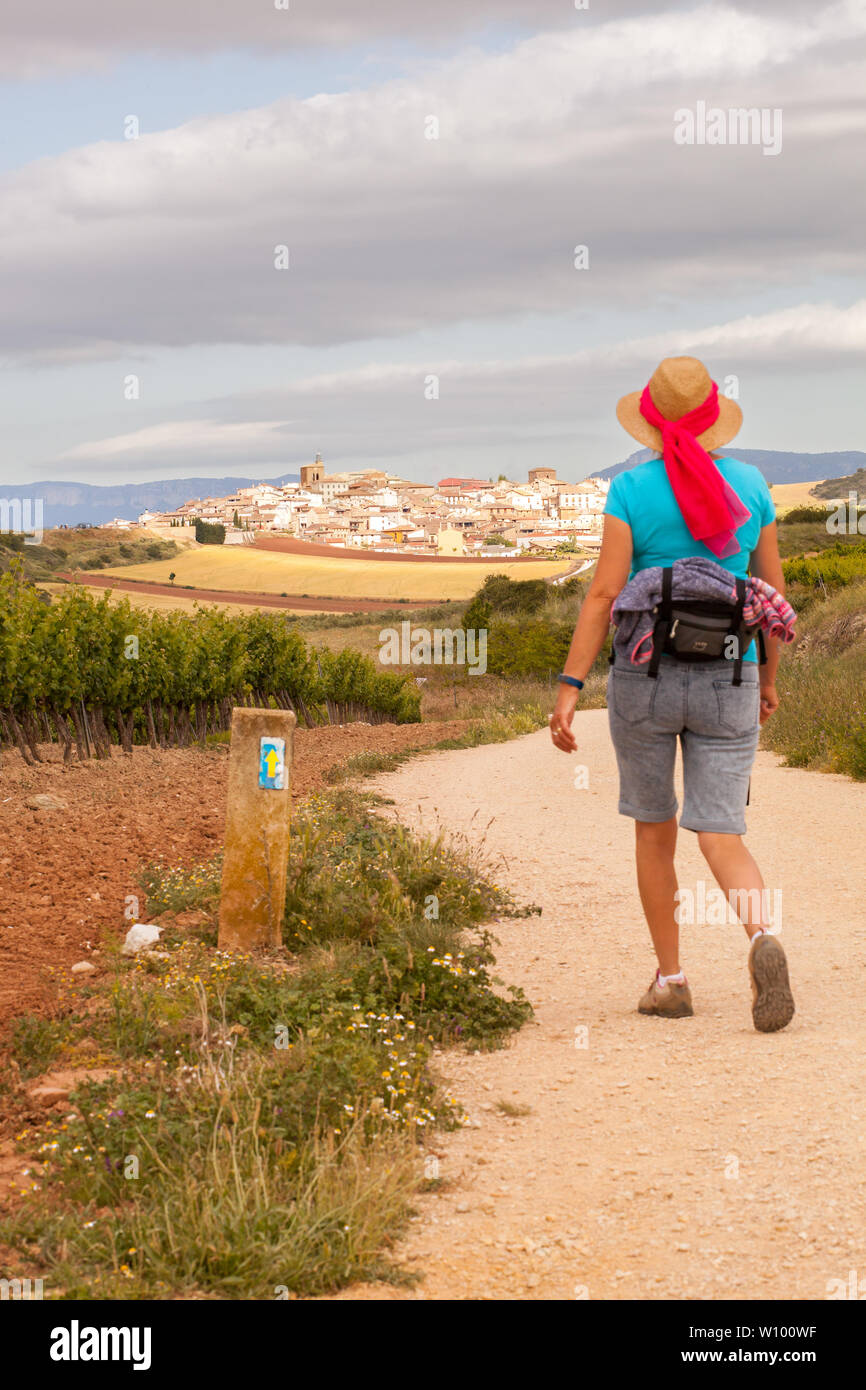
(788, 495)
(246, 568)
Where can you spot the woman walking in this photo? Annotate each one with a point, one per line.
(707, 516)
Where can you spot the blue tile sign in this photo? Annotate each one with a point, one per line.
(272, 764)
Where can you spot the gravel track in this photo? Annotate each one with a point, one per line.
(690, 1158)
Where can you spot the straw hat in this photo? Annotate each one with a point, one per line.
(678, 385)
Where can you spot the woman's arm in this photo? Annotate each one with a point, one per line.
(766, 564)
(610, 576)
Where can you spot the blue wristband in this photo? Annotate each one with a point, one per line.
(570, 680)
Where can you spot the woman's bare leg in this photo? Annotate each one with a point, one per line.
(655, 843)
(738, 876)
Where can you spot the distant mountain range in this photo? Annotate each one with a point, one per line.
(92, 504)
(776, 465)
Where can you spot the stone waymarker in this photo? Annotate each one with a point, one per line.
(257, 830)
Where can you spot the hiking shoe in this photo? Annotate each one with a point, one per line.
(668, 1001)
(772, 1000)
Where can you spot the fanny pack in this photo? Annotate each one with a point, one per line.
(698, 630)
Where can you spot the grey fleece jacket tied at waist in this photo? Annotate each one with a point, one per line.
(632, 611)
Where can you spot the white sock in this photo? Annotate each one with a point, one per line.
(678, 979)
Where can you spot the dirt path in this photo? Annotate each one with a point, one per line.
(296, 603)
(665, 1159)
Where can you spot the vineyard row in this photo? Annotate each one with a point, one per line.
(87, 673)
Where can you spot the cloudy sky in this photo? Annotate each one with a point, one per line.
(430, 170)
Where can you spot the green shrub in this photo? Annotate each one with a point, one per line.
(504, 595)
(839, 564)
(801, 514)
(536, 648)
(209, 532)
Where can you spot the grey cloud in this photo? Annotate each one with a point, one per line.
(169, 240)
(90, 33)
(485, 411)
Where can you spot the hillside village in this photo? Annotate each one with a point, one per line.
(376, 510)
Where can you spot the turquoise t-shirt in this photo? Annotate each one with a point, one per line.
(644, 499)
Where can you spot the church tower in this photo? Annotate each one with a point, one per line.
(312, 472)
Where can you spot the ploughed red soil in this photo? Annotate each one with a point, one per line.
(295, 602)
(65, 874)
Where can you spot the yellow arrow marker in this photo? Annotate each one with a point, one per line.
(271, 762)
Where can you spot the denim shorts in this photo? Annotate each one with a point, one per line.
(717, 725)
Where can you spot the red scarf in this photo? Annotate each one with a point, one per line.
(711, 509)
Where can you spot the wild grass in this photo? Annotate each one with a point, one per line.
(262, 1130)
(178, 1187)
(821, 721)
